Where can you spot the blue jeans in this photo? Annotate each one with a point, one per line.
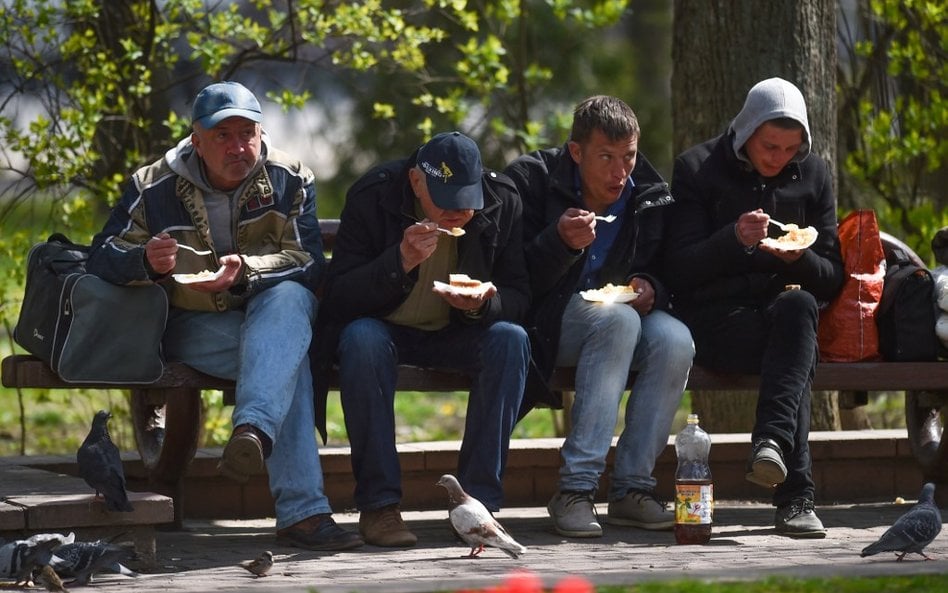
(265, 350)
(605, 343)
(496, 357)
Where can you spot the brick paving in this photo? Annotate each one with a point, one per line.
(204, 556)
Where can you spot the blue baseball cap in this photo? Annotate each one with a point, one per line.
(452, 165)
(216, 102)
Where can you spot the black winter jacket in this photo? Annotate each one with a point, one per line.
(708, 267)
(366, 279)
(545, 179)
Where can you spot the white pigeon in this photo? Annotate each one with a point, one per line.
(912, 531)
(474, 524)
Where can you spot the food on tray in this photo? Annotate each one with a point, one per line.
(463, 281)
(202, 276)
(794, 239)
(610, 293)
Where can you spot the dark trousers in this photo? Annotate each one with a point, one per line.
(776, 339)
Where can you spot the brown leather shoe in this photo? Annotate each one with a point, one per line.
(384, 527)
(318, 532)
(244, 453)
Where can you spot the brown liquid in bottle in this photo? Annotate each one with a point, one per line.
(687, 532)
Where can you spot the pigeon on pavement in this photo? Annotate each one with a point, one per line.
(912, 531)
(19, 558)
(80, 561)
(474, 524)
(260, 565)
(100, 464)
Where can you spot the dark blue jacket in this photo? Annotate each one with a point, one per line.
(366, 278)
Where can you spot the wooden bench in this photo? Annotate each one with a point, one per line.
(168, 421)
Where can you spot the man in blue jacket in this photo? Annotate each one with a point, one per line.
(593, 216)
(388, 301)
(247, 309)
(753, 304)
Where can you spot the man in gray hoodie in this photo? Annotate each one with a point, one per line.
(227, 225)
(752, 302)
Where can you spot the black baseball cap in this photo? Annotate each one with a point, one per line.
(452, 165)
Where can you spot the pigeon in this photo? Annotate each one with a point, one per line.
(912, 531)
(474, 524)
(100, 464)
(50, 579)
(19, 558)
(260, 565)
(80, 561)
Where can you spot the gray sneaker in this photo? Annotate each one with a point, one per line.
(765, 466)
(574, 514)
(799, 520)
(640, 508)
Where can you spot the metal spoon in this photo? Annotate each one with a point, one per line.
(455, 232)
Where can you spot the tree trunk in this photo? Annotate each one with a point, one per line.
(720, 49)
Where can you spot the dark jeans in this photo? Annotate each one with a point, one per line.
(776, 339)
(496, 357)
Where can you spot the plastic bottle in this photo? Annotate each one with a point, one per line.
(694, 493)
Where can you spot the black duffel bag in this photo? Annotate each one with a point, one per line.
(86, 329)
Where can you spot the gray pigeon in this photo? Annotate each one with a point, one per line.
(18, 559)
(474, 524)
(80, 561)
(260, 565)
(912, 531)
(100, 464)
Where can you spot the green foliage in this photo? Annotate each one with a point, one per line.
(895, 102)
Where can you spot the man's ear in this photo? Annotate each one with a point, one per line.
(575, 151)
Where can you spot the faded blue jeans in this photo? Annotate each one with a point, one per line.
(496, 357)
(264, 348)
(605, 343)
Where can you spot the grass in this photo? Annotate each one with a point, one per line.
(529, 583)
(888, 584)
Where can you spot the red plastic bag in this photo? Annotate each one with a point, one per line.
(847, 329)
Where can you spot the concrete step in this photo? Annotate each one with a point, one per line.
(848, 467)
(36, 500)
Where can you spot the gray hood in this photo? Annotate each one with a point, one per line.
(184, 161)
(770, 99)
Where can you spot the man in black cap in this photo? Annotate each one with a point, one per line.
(389, 300)
(242, 306)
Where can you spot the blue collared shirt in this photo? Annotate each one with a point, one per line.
(606, 233)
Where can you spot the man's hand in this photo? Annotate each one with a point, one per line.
(751, 227)
(577, 228)
(782, 254)
(467, 302)
(232, 264)
(161, 253)
(418, 243)
(646, 299)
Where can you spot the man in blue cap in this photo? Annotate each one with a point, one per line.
(389, 300)
(242, 306)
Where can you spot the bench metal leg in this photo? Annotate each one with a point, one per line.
(924, 420)
(168, 425)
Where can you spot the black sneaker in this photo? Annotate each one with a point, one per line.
(766, 466)
(798, 519)
(318, 532)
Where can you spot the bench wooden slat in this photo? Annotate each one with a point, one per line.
(27, 371)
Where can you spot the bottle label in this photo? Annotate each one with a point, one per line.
(694, 504)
